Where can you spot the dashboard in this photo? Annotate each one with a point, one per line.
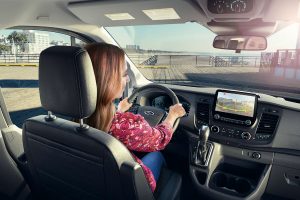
(254, 139)
(259, 120)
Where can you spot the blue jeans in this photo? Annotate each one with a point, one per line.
(154, 161)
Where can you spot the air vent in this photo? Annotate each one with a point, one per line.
(202, 113)
(267, 126)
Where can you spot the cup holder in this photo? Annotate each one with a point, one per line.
(244, 186)
(231, 184)
(220, 180)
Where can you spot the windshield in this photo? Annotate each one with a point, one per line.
(183, 54)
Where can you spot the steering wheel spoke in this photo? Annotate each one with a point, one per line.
(134, 108)
(152, 114)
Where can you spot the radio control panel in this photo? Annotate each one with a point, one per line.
(230, 133)
(246, 122)
(261, 132)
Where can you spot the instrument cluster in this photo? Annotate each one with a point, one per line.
(164, 102)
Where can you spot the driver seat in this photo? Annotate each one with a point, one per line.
(67, 160)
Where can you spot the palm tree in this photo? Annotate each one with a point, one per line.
(19, 39)
(4, 48)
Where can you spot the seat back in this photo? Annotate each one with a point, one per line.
(68, 160)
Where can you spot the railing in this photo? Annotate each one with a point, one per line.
(160, 60)
(194, 60)
(19, 58)
(267, 61)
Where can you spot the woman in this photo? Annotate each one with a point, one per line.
(132, 130)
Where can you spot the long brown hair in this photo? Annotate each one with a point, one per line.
(108, 61)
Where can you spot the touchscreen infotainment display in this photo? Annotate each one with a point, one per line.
(234, 103)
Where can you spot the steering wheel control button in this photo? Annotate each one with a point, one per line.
(215, 129)
(246, 135)
(256, 155)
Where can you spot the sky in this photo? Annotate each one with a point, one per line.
(191, 37)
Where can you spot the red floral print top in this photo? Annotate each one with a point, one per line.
(137, 135)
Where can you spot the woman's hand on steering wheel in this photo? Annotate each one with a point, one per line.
(175, 111)
(124, 105)
(155, 115)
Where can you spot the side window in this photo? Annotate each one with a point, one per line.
(79, 42)
(19, 58)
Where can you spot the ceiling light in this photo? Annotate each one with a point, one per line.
(162, 14)
(119, 16)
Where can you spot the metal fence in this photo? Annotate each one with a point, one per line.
(19, 58)
(194, 60)
(162, 60)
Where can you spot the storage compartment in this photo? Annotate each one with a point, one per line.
(284, 182)
(239, 178)
(232, 184)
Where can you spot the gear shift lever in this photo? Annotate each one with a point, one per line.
(203, 135)
(202, 151)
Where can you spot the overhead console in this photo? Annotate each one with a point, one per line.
(229, 6)
(232, 10)
(238, 17)
(247, 10)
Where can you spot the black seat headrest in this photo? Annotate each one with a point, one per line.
(67, 81)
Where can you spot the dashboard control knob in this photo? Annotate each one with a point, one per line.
(217, 116)
(248, 122)
(246, 135)
(256, 155)
(215, 129)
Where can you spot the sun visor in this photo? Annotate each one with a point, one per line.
(122, 12)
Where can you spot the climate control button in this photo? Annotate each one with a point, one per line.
(217, 116)
(215, 129)
(248, 122)
(246, 135)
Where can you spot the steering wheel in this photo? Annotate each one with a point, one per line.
(152, 114)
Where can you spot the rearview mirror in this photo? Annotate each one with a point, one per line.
(240, 42)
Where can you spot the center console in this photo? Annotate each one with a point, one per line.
(233, 115)
(236, 118)
(235, 177)
(227, 170)
(230, 172)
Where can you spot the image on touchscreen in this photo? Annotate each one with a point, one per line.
(237, 104)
